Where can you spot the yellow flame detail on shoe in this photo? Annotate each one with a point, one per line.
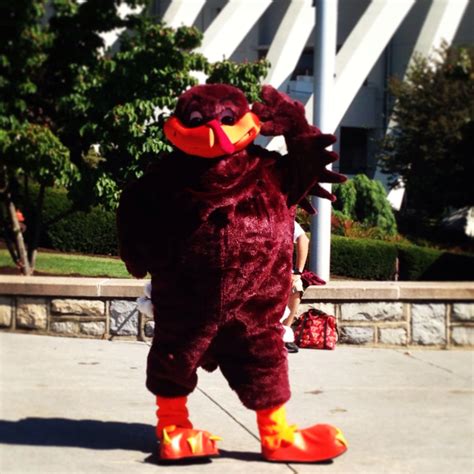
(192, 442)
(340, 437)
(166, 437)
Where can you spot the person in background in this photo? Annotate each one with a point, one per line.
(301, 254)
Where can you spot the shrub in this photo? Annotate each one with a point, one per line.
(340, 225)
(364, 200)
(419, 263)
(367, 259)
(346, 194)
(363, 258)
(92, 232)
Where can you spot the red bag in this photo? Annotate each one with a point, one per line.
(315, 329)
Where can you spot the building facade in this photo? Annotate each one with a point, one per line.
(376, 40)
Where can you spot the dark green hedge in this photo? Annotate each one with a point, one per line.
(375, 260)
(363, 258)
(91, 232)
(421, 263)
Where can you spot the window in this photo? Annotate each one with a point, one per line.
(353, 150)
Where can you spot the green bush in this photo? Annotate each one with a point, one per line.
(363, 259)
(346, 194)
(368, 259)
(420, 263)
(92, 232)
(364, 200)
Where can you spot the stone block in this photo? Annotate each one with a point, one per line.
(379, 311)
(79, 307)
(150, 328)
(32, 313)
(124, 318)
(463, 336)
(428, 323)
(5, 312)
(65, 327)
(50, 286)
(436, 290)
(93, 328)
(353, 290)
(357, 335)
(393, 336)
(121, 288)
(463, 312)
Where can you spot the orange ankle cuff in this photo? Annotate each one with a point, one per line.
(273, 427)
(172, 411)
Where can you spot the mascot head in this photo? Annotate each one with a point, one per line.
(212, 120)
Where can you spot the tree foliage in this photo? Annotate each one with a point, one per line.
(364, 201)
(241, 75)
(430, 146)
(75, 114)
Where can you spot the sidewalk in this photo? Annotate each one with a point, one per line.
(80, 406)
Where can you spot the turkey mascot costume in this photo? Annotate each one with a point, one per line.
(219, 213)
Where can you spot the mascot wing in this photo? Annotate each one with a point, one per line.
(307, 154)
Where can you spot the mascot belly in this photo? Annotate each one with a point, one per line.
(218, 245)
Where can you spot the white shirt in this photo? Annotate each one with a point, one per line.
(298, 232)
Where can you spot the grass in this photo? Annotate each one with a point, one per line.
(71, 264)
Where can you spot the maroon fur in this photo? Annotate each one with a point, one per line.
(216, 236)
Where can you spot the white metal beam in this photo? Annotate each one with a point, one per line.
(289, 42)
(230, 27)
(441, 24)
(362, 49)
(182, 12)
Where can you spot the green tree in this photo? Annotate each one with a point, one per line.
(245, 76)
(430, 146)
(364, 200)
(75, 115)
(29, 148)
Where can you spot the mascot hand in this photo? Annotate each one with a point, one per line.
(280, 114)
(144, 304)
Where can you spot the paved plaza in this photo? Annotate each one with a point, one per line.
(79, 406)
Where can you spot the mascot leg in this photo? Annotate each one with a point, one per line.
(178, 439)
(284, 443)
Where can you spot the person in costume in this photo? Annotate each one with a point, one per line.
(219, 213)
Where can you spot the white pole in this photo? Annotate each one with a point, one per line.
(324, 68)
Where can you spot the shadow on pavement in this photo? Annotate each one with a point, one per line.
(91, 434)
(238, 455)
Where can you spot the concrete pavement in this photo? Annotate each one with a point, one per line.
(80, 406)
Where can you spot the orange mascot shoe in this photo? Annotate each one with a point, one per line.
(284, 443)
(178, 439)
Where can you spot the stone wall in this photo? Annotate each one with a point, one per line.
(385, 314)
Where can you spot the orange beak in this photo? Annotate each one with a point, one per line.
(212, 139)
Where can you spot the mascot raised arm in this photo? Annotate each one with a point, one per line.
(218, 243)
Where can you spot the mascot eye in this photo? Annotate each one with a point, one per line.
(195, 118)
(227, 117)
